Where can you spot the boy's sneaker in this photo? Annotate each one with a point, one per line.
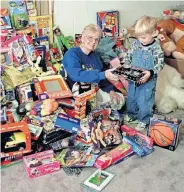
(140, 127)
(129, 119)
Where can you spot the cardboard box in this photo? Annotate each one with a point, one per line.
(15, 139)
(176, 63)
(40, 164)
(165, 132)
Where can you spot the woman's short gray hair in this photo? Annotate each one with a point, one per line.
(92, 28)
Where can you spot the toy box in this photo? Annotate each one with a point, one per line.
(15, 139)
(113, 155)
(18, 13)
(9, 161)
(67, 123)
(28, 31)
(109, 22)
(165, 132)
(52, 87)
(5, 19)
(40, 164)
(77, 156)
(6, 56)
(43, 26)
(85, 103)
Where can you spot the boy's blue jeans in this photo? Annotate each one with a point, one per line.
(141, 98)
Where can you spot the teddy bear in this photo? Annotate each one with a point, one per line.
(169, 90)
(171, 34)
(48, 107)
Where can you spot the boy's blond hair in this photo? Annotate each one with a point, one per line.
(145, 25)
(92, 28)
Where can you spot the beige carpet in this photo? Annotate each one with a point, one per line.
(163, 170)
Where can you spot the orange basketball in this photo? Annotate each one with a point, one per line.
(162, 134)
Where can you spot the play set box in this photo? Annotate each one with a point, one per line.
(15, 139)
(40, 164)
(165, 132)
(113, 156)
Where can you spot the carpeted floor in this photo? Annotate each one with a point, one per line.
(163, 170)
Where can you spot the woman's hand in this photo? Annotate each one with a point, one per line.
(110, 76)
(145, 78)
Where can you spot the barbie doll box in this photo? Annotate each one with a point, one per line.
(39, 164)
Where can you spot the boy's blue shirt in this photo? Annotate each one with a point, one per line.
(85, 68)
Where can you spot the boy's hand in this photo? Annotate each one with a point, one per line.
(145, 78)
(110, 76)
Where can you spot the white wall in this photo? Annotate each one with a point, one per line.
(72, 16)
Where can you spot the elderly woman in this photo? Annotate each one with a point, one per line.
(85, 67)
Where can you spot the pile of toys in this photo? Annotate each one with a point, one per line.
(42, 124)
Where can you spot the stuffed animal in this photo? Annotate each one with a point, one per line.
(169, 90)
(48, 107)
(171, 35)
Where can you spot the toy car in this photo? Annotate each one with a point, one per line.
(17, 142)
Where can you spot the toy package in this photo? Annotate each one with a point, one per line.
(56, 55)
(43, 26)
(109, 22)
(78, 156)
(78, 39)
(28, 31)
(6, 56)
(31, 7)
(98, 180)
(40, 164)
(44, 40)
(67, 123)
(85, 103)
(9, 161)
(5, 35)
(18, 13)
(5, 19)
(24, 93)
(113, 155)
(20, 48)
(15, 139)
(51, 87)
(63, 43)
(165, 132)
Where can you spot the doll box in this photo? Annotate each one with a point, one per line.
(15, 139)
(40, 164)
(178, 64)
(165, 132)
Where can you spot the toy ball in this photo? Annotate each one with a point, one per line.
(162, 134)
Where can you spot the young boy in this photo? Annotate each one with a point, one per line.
(145, 53)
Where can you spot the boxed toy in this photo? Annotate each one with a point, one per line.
(85, 103)
(15, 139)
(40, 164)
(6, 56)
(109, 22)
(165, 132)
(5, 19)
(113, 155)
(19, 15)
(67, 123)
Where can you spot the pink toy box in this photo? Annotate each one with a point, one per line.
(40, 164)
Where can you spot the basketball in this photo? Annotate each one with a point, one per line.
(162, 134)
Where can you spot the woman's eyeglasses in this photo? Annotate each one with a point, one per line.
(91, 39)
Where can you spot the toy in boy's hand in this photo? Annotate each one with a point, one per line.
(129, 73)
